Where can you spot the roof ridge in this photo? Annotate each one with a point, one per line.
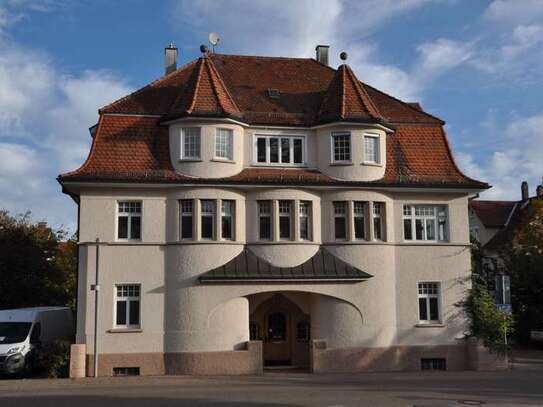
(213, 54)
(218, 77)
(359, 86)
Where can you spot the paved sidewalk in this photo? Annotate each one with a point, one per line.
(509, 388)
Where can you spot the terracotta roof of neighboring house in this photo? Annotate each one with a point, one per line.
(523, 213)
(247, 266)
(131, 148)
(493, 214)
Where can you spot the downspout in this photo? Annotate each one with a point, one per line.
(96, 288)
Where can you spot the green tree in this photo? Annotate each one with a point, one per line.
(37, 265)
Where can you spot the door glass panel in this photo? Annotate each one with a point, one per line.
(277, 327)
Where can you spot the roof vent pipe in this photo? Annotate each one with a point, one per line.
(322, 54)
(170, 59)
(524, 191)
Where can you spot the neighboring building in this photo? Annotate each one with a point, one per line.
(494, 224)
(241, 199)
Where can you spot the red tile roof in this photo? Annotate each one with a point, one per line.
(493, 214)
(133, 148)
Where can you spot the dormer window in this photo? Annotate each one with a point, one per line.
(371, 149)
(341, 147)
(190, 143)
(280, 150)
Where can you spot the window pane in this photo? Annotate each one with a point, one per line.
(265, 227)
(122, 228)
(135, 227)
(419, 228)
(191, 142)
(134, 313)
(261, 150)
(226, 227)
(430, 229)
(371, 149)
(340, 231)
(342, 147)
(359, 228)
(274, 150)
(223, 144)
(186, 227)
(377, 229)
(304, 228)
(423, 312)
(434, 312)
(298, 155)
(285, 150)
(121, 313)
(284, 227)
(407, 232)
(207, 227)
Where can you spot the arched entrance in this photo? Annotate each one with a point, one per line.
(283, 327)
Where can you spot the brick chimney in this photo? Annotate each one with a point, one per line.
(170, 59)
(322, 54)
(524, 191)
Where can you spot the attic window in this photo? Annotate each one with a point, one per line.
(274, 93)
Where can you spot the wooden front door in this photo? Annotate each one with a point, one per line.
(277, 341)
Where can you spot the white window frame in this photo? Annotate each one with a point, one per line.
(192, 214)
(212, 215)
(128, 299)
(229, 144)
(435, 216)
(307, 215)
(381, 217)
(129, 215)
(332, 147)
(377, 140)
(427, 297)
(291, 138)
(286, 215)
(265, 215)
(232, 217)
(182, 153)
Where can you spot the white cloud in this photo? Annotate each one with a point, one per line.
(514, 11)
(441, 55)
(517, 159)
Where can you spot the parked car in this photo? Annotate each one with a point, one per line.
(24, 331)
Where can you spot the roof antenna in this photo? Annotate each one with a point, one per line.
(214, 40)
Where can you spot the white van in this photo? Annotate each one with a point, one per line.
(23, 331)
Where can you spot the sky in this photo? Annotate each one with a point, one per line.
(475, 64)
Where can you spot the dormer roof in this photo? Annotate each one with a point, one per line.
(347, 99)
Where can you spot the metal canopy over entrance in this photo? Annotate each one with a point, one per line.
(248, 267)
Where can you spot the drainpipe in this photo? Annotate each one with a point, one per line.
(96, 288)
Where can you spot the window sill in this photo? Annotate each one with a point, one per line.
(128, 241)
(341, 164)
(190, 160)
(371, 164)
(124, 330)
(223, 160)
(430, 325)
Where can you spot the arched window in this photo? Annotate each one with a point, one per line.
(303, 331)
(277, 327)
(254, 331)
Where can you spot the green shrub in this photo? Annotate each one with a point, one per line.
(54, 359)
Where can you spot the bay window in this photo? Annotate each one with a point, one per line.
(190, 143)
(285, 227)
(227, 215)
(224, 139)
(425, 222)
(305, 211)
(186, 212)
(341, 147)
(279, 150)
(207, 218)
(340, 220)
(264, 220)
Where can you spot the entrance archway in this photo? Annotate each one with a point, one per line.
(283, 327)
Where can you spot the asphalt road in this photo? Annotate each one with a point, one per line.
(517, 387)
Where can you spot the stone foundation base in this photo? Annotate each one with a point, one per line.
(239, 362)
(481, 359)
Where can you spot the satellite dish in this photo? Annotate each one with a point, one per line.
(214, 39)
